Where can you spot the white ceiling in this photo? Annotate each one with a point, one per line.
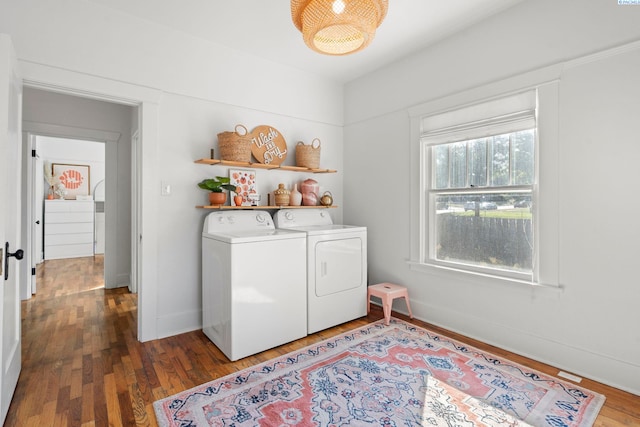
(264, 28)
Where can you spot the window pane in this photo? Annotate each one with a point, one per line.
(500, 160)
(458, 164)
(478, 162)
(488, 230)
(441, 166)
(523, 158)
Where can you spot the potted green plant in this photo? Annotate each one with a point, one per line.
(216, 187)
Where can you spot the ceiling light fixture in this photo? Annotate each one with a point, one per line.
(338, 27)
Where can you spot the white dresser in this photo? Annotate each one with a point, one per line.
(68, 228)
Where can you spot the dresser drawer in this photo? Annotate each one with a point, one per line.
(69, 206)
(64, 217)
(69, 239)
(70, 227)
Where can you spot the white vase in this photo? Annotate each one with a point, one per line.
(295, 197)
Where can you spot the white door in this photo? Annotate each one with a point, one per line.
(35, 195)
(338, 266)
(10, 171)
(136, 182)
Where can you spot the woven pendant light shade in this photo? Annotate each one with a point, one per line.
(338, 27)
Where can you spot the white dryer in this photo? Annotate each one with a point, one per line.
(253, 283)
(336, 266)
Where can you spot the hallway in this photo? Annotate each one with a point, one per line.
(78, 340)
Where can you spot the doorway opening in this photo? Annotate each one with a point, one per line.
(46, 102)
(68, 170)
(68, 129)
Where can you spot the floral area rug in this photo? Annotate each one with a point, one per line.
(377, 375)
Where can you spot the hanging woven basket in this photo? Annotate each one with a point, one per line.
(235, 146)
(308, 156)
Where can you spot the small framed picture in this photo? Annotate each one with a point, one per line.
(75, 179)
(246, 180)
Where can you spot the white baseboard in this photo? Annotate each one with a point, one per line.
(121, 280)
(179, 323)
(585, 363)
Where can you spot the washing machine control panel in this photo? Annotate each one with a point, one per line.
(240, 220)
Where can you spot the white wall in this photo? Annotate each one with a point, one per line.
(99, 41)
(206, 89)
(74, 152)
(187, 132)
(590, 326)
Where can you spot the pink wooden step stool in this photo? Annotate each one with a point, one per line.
(387, 292)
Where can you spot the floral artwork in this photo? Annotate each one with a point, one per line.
(246, 180)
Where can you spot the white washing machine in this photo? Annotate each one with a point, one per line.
(253, 283)
(336, 266)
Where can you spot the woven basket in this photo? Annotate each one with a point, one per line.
(308, 156)
(234, 146)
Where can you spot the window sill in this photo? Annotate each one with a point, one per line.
(482, 278)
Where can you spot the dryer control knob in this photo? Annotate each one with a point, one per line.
(323, 214)
(220, 219)
(260, 218)
(230, 219)
(288, 215)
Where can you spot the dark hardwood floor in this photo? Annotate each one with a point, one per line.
(83, 366)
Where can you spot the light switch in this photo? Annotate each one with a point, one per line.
(166, 189)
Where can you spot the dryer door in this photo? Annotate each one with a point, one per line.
(338, 265)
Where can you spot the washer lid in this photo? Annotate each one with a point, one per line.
(249, 236)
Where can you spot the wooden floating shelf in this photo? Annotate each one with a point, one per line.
(262, 207)
(261, 166)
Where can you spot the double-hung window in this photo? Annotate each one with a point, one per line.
(479, 169)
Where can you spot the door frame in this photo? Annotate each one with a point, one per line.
(30, 132)
(147, 100)
(136, 234)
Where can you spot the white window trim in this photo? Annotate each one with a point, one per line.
(506, 114)
(545, 190)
